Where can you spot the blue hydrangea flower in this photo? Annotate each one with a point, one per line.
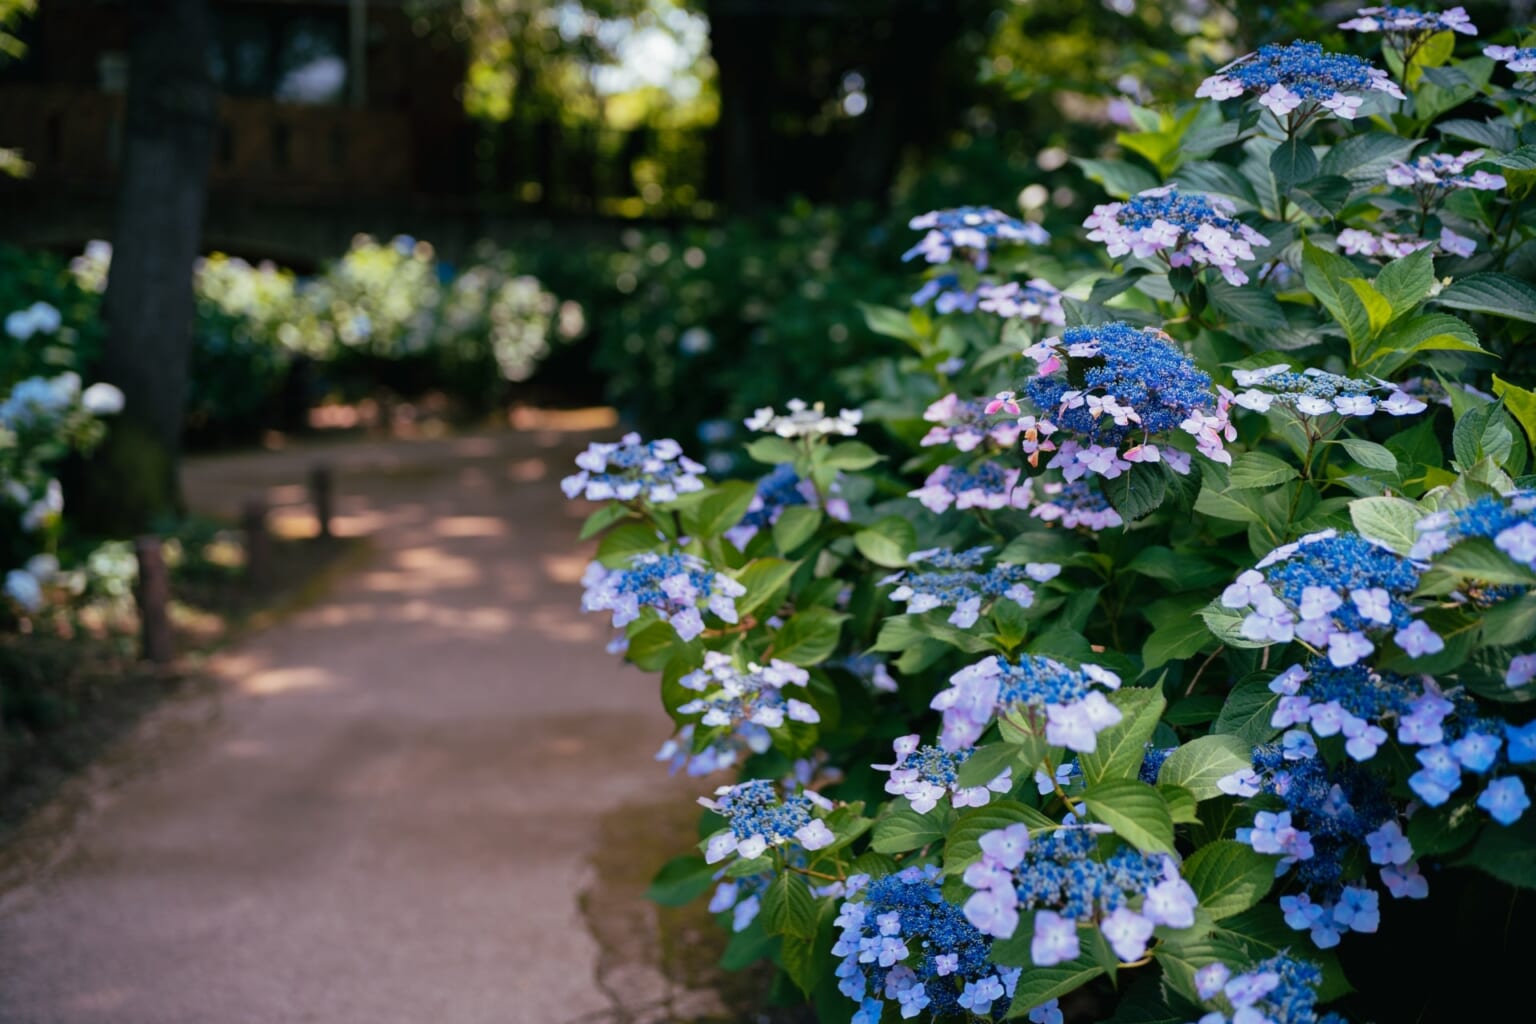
(1069, 881)
(1279, 990)
(1510, 522)
(1334, 591)
(678, 587)
(901, 941)
(1393, 20)
(759, 818)
(779, 489)
(947, 294)
(986, 486)
(1520, 59)
(968, 233)
(656, 471)
(38, 318)
(966, 424)
(1067, 705)
(39, 403)
(1316, 392)
(1300, 76)
(926, 774)
(1076, 503)
(1434, 175)
(1115, 383)
(739, 707)
(955, 580)
(1034, 301)
(1186, 229)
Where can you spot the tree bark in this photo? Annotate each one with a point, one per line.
(132, 479)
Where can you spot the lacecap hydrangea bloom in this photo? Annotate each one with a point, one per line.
(1516, 58)
(1337, 592)
(679, 587)
(1435, 174)
(966, 424)
(746, 701)
(986, 486)
(656, 471)
(1108, 385)
(1393, 245)
(1410, 21)
(779, 489)
(1279, 990)
(900, 941)
(719, 752)
(1036, 300)
(926, 774)
(1066, 704)
(955, 579)
(968, 233)
(1065, 878)
(1300, 76)
(759, 818)
(802, 420)
(1186, 229)
(1316, 392)
(1074, 504)
(1510, 522)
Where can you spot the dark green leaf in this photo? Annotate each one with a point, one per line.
(1200, 763)
(1229, 877)
(1496, 294)
(1137, 812)
(887, 542)
(796, 525)
(681, 880)
(1119, 750)
(809, 637)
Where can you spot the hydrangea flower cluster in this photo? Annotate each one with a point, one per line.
(969, 232)
(947, 294)
(758, 818)
(1315, 392)
(747, 703)
(679, 587)
(1076, 503)
(39, 403)
(988, 486)
(718, 754)
(1035, 300)
(1392, 245)
(802, 420)
(1327, 814)
(779, 489)
(1300, 75)
(1062, 876)
(1517, 58)
(1509, 522)
(1280, 990)
(38, 318)
(1188, 229)
(1435, 174)
(900, 940)
(1068, 703)
(656, 471)
(1114, 383)
(1334, 591)
(954, 580)
(926, 774)
(966, 424)
(1410, 21)
(871, 668)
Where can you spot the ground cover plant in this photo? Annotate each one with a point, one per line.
(1158, 645)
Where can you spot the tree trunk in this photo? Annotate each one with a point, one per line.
(132, 479)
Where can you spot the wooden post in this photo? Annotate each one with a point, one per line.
(322, 486)
(258, 542)
(154, 598)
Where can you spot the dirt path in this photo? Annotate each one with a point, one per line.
(392, 814)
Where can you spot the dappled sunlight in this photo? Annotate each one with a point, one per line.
(471, 526)
(567, 627)
(564, 420)
(528, 470)
(565, 568)
(272, 681)
(475, 447)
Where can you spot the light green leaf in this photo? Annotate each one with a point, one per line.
(887, 542)
(720, 510)
(1227, 624)
(1137, 812)
(1119, 750)
(809, 637)
(603, 518)
(1405, 282)
(892, 323)
(1387, 519)
(903, 829)
(1200, 763)
(1378, 310)
(620, 545)
(851, 455)
(1172, 643)
(1229, 877)
(1496, 294)
(1252, 470)
(1370, 454)
(796, 525)
(1325, 275)
(772, 451)
(1248, 711)
(764, 578)
(788, 907)
(1521, 404)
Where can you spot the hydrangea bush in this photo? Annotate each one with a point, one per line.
(1156, 643)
